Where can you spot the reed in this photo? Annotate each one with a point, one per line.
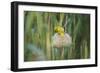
(39, 30)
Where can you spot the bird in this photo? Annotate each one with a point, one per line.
(61, 39)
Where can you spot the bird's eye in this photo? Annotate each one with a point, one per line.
(56, 30)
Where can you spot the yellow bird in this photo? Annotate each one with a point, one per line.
(60, 38)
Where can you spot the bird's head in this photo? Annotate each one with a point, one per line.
(59, 30)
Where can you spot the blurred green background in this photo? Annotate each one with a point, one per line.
(39, 29)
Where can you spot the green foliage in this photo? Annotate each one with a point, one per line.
(39, 29)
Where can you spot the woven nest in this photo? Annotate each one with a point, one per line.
(60, 42)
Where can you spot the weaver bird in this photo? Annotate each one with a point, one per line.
(60, 38)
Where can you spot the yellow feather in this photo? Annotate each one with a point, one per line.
(59, 30)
